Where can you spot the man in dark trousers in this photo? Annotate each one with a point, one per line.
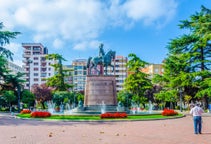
(197, 111)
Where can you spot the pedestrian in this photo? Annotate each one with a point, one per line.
(197, 111)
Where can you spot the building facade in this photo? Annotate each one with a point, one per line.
(14, 68)
(120, 71)
(79, 74)
(68, 74)
(36, 67)
(153, 69)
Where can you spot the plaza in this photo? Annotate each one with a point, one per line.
(174, 131)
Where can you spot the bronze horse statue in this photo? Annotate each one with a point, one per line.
(97, 59)
(105, 61)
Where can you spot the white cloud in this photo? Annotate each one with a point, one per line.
(81, 21)
(57, 43)
(150, 11)
(93, 44)
(13, 47)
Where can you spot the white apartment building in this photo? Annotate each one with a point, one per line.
(36, 67)
(120, 71)
(14, 68)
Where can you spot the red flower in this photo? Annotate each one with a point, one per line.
(40, 114)
(169, 112)
(113, 115)
(25, 111)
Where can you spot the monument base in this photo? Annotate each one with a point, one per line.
(100, 91)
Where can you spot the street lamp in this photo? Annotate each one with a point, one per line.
(180, 92)
(28, 63)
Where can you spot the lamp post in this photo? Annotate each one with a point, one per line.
(29, 62)
(18, 89)
(180, 92)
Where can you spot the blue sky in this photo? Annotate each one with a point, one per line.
(75, 28)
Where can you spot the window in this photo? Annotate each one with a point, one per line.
(36, 48)
(36, 69)
(36, 74)
(35, 63)
(43, 69)
(36, 79)
(36, 58)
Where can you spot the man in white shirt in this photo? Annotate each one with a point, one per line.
(197, 111)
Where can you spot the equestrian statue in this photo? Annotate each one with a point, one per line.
(103, 60)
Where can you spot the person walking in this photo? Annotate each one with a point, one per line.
(197, 111)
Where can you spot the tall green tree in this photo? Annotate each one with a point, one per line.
(57, 81)
(5, 37)
(188, 63)
(5, 54)
(137, 82)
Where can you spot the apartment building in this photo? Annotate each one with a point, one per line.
(79, 74)
(68, 74)
(120, 71)
(153, 69)
(36, 67)
(14, 68)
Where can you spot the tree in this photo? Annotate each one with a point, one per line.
(3, 71)
(60, 97)
(28, 98)
(42, 93)
(15, 81)
(9, 97)
(189, 59)
(57, 81)
(197, 46)
(125, 98)
(5, 37)
(137, 82)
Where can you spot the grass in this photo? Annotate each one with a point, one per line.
(97, 117)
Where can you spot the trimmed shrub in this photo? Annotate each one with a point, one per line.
(40, 114)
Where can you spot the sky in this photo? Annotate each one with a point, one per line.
(76, 28)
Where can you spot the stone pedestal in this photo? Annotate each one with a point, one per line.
(100, 90)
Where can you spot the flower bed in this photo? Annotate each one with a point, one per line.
(169, 112)
(113, 115)
(25, 111)
(40, 114)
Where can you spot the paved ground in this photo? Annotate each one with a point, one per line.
(173, 131)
